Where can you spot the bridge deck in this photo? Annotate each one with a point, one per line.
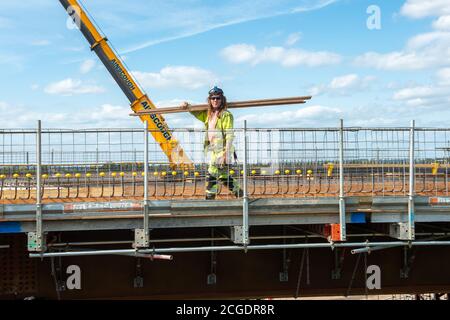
(127, 213)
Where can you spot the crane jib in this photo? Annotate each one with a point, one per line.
(122, 74)
(160, 126)
(124, 79)
(129, 83)
(166, 134)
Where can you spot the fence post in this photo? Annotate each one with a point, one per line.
(142, 236)
(342, 222)
(245, 231)
(411, 227)
(36, 240)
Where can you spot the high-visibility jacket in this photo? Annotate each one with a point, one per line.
(224, 126)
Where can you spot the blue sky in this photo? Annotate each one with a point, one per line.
(253, 49)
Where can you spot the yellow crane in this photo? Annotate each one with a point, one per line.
(139, 100)
(140, 103)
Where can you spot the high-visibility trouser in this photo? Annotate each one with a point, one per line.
(221, 174)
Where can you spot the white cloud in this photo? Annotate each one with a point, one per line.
(433, 95)
(108, 112)
(293, 38)
(425, 8)
(442, 23)
(344, 82)
(69, 86)
(104, 116)
(87, 66)
(398, 60)
(35, 87)
(443, 76)
(343, 85)
(203, 17)
(429, 40)
(436, 93)
(40, 43)
(3, 106)
(176, 77)
(425, 50)
(239, 53)
(422, 51)
(311, 116)
(245, 53)
(419, 93)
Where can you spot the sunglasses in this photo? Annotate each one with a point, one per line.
(215, 98)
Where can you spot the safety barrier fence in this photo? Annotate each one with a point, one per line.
(281, 163)
(40, 165)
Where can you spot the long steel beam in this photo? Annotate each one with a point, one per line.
(238, 248)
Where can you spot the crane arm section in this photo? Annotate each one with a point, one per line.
(138, 99)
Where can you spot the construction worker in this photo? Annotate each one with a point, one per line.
(218, 143)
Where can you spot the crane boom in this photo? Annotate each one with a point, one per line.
(137, 97)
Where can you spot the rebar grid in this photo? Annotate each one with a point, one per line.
(107, 163)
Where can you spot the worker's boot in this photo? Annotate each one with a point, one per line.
(239, 193)
(231, 184)
(211, 187)
(210, 196)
